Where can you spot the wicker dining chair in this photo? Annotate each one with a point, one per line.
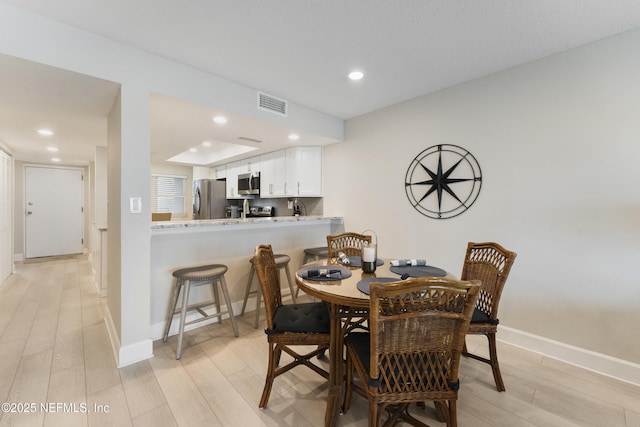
(349, 243)
(490, 263)
(412, 352)
(302, 324)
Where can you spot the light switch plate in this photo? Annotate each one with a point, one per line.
(135, 205)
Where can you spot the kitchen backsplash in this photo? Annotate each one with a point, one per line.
(310, 206)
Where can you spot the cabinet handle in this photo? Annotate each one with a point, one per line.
(298, 188)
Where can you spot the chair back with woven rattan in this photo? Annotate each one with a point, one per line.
(418, 328)
(490, 263)
(269, 279)
(349, 243)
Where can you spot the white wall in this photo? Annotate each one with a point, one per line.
(558, 141)
(6, 211)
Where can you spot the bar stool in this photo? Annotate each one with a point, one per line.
(185, 278)
(318, 253)
(282, 262)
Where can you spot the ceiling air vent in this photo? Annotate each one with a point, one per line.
(246, 138)
(271, 103)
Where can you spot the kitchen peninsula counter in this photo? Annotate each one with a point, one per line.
(230, 224)
(178, 244)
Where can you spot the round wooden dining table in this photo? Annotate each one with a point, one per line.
(348, 307)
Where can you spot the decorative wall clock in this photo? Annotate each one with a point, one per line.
(443, 181)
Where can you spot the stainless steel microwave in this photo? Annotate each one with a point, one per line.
(249, 184)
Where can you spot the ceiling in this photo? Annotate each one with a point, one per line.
(298, 50)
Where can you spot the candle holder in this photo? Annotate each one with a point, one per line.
(369, 257)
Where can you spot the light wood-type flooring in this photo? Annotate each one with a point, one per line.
(57, 369)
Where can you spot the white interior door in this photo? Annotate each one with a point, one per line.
(54, 217)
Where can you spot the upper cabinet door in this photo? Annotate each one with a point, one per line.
(304, 171)
(249, 165)
(273, 174)
(232, 180)
(220, 172)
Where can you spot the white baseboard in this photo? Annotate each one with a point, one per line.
(18, 257)
(596, 362)
(130, 354)
(136, 352)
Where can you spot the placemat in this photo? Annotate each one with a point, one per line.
(356, 261)
(332, 273)
(419, 271)
(364, 284)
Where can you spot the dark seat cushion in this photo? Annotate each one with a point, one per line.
(480, 316)
(310, 317)
(361, 344)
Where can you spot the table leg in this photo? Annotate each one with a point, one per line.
(335, 368)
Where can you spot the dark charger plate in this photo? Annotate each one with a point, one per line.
(365, 284)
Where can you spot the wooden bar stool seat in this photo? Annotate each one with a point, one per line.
(282, 262)
(193, 276)
(315, 254)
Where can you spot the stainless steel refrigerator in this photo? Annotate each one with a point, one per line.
(209, 199)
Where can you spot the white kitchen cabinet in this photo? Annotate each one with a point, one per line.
(200, 172)
(273, 174)
(304, 171)
(249, 165)
(220, 172)
(232, 180)
(296, 171)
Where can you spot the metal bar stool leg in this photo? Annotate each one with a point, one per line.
(172, 308)
(291, 286)
(186, 285)
(216, 298)
(248, 290)
(225, 292)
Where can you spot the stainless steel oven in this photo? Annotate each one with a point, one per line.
(249, 184)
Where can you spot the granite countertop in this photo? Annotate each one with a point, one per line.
(229, 223)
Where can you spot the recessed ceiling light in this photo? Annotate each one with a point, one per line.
(193, 150)
(220, 120)
(55, 159)
(45, 132)
(206, 144)
(294, 137)
(356, 75)
(52, 149)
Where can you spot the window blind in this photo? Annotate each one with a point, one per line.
(168, 194)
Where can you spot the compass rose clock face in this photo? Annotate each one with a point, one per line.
(443, 181)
